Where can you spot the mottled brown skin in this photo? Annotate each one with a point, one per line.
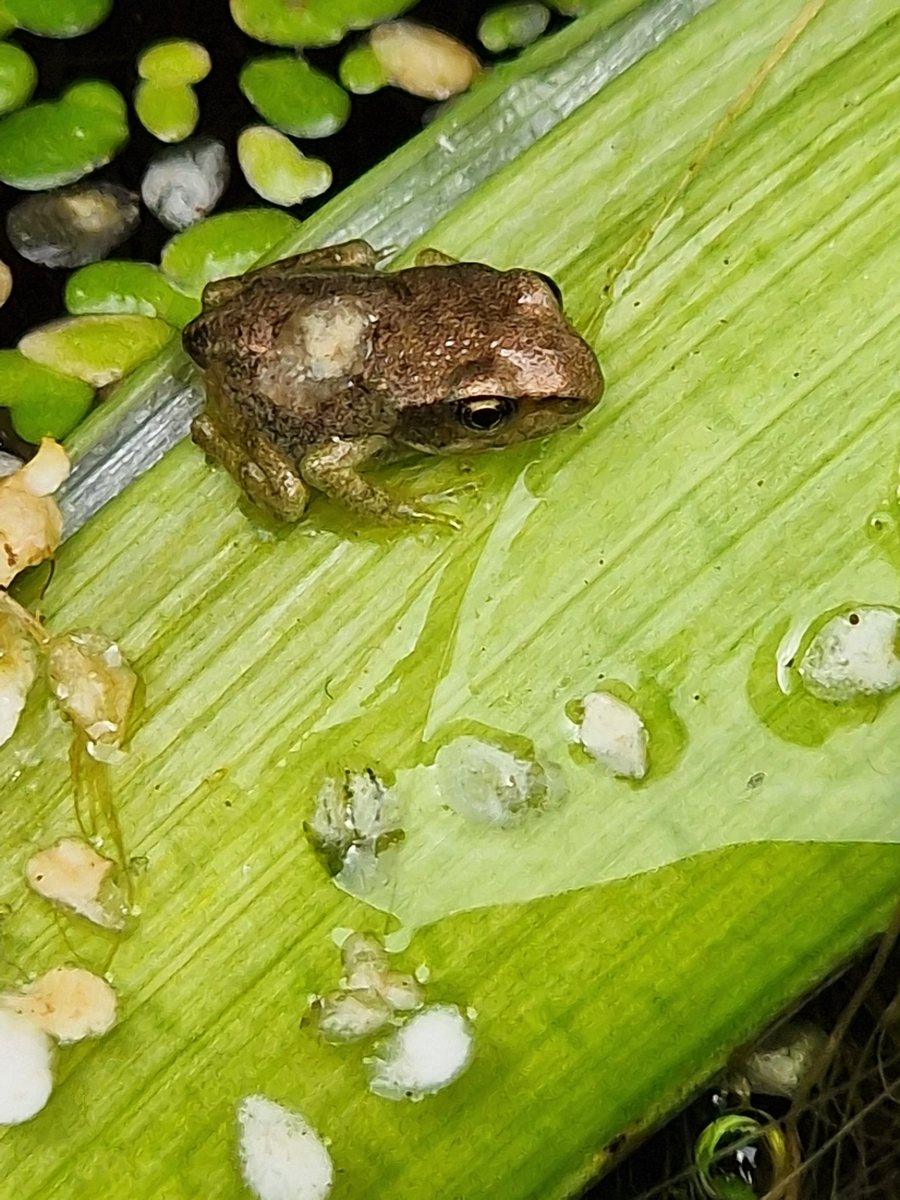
(318, 365)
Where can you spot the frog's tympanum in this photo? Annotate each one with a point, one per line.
(320, 365)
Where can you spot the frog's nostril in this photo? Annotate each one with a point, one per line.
(570, 404)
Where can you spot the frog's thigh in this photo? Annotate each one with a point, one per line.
(261, 471)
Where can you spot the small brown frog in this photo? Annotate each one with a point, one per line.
(320, 365)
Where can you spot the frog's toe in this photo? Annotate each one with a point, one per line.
(287, 500)
(431, 516)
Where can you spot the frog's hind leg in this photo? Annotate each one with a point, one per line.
(262, 472)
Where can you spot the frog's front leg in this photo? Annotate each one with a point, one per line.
(333, 468)
(267, 476)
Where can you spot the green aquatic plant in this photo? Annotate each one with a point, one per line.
(295, 97)
(18, 76)
(277, 170)
(55, 142)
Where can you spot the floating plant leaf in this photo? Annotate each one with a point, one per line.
(224, 245)
(169, 111)
(723, 488)
(361, 72)
(18, 75)
(7, 20)
(43, 402)
(313, 22)
(56, 142)
(74, 226)
(174, 61)
(128, 287)
(58, 18)
(277, 170)
(422, 60)
(295, 97)
(308, 24)
(512, 25)
(97, 348)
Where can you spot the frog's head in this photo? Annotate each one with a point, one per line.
(520, 372)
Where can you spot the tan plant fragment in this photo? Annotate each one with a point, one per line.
(30, 520)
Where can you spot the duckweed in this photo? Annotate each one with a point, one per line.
(18, 76)
(175, 60)
(511, 26)
(295, 97)
(277, 170)
(58, 18)
(97, 348)
(57, 142)
(170, 111)
(42, 402)
(128, 287)
(226, 244)
(361, 72)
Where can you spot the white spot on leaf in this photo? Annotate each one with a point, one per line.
(613, 733)
(282, 1156)
(26, 1077)
(427, 1054)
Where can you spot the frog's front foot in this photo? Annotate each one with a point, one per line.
(334, 469)
(266, 476)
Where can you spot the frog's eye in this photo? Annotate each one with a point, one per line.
(484, 414)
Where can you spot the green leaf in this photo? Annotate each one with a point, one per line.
(169, 111)
(618, 943)
(223, 245)
(58, 18)
(277, 170)
(312, 23)
(360, 70)
(57, 142)
(511, 25)
(18, 76)
(96, 348)
(127, 287)
(295, 97)
(175, 60)
(309, 24)
(43, 402)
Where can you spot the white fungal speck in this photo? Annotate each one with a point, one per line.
(425, 1055)
(26, 1077)
(282, 1156)
(853, 655)
(71, 873)
(487, 785)
(352, 1016)
(613, 733)
(184, 183)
